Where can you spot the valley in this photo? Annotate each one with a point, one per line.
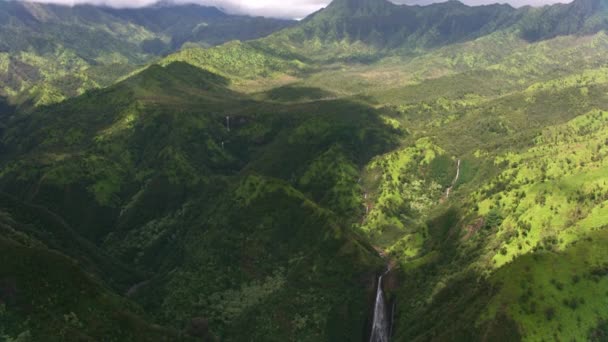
(256, 189)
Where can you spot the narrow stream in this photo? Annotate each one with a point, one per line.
(381, 323)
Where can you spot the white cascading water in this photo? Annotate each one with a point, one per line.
(447, 193)
(380, 326)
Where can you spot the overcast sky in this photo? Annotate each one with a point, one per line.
(279, 8)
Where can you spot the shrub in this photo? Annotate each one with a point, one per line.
(572, 303)
(558, 285)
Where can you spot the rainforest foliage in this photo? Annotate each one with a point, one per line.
(247, 191)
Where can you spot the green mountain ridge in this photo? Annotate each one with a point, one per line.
(453, 21)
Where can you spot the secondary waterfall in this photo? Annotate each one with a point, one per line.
(381, 324)
(447, 193)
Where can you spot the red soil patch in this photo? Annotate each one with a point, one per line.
(473, 228)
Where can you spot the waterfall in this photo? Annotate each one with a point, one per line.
(380, 326)
(447, 193)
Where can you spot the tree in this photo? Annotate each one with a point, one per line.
(493, 219)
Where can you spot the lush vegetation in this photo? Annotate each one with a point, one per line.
(224, 225)
(254, 190)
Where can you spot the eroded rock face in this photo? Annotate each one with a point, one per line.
(390, 281)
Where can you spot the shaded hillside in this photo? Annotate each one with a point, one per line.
(381, 23)
(385, 25)
(36, 304)
(206, 26)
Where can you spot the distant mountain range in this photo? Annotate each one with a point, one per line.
(50, 52)
(385, 25)
(367, 31)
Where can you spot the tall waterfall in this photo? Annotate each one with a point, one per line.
(381, 324)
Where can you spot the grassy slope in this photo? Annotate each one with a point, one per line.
(544, 184)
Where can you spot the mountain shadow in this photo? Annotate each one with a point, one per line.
(297, 93)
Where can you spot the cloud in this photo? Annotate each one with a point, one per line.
(273, 8)
(276, 8)
(111, 3)
(267, 8)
